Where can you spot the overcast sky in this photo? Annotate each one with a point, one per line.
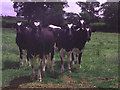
(7, 7)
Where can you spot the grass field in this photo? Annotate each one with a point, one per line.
(99, 64)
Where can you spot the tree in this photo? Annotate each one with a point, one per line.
(89, 10)
(110, 13)
(42, 11)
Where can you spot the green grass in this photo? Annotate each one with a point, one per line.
(99, 62)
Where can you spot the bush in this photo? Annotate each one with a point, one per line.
(100, 27)
(7, 25)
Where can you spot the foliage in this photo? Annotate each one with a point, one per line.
(72, 18)
(101, 27)
(89, 11)
(110, 12)
(44, 11)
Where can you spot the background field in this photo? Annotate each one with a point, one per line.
(99, 64)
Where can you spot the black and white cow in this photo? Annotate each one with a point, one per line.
(70, 41)
(81, 36)
(64, 43)
(40, 44)
(22, 30)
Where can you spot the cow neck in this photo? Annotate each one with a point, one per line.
(70, 32)
(37, 29)
(88, 35)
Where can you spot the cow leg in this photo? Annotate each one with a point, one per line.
(44, 64)
(33, 67)
(73, 60)
(21, 57)
(68, 62)
(39, 70)
(79, 60)
(62, 64)
(28, 56)
(52, 61)
(76, 58)
(62, 60)
(25, 56)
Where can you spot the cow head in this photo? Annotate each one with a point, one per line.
(36, 26)
(82, 23)
(36, 23)
(70, 28)
(88, 33)
(19, 26)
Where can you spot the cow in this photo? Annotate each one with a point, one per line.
(22, 30)
(71, 40)
(40, 44)
(81, 36)
(64, 44)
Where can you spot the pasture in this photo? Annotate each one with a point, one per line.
(99, 65)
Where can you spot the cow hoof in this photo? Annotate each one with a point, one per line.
(29, 64)
(52, 71)
(79, 66)
(43, 73)
(61, 71)
(32, 78)
(72, 66)
(25, 61)
(39, 79)
(75, 62)
(69, 71)
(21, 64)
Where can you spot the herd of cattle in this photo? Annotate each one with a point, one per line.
(42, 42)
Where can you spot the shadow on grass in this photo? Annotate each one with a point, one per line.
(18, 81)
(10, 65)
(49, 77)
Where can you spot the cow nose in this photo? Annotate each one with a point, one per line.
(70, 33)
(88, 35)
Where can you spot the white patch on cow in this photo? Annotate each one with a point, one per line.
(87, 29)
(70, 25)
(55, 48)
(82, 21)
(19, 23)
(36, 23)
(78, 29)
(77, 51)
(63, 52)
(27, 28)
(53, 26)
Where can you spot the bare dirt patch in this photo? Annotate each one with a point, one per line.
(68, 82)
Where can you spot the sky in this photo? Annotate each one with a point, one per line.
(6, 9)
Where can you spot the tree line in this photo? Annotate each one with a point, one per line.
(101, 17)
